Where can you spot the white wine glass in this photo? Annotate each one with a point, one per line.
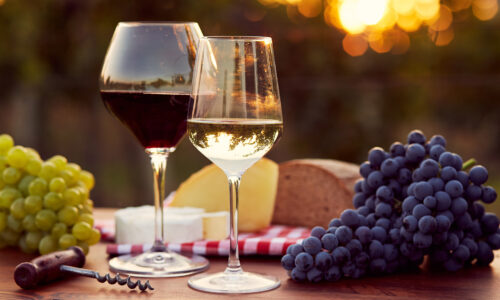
(146, 83)
(234, 119)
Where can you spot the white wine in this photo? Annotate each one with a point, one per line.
(234, 144)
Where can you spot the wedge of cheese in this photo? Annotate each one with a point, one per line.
(208, 189)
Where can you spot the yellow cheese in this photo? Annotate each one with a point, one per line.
(215, 225)
(208, 189)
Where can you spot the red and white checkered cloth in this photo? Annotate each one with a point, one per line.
(273, 240)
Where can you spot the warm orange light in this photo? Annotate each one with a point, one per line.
(380, 43)
(444, 19)
(403, 7)
(383, 25)
(354, 45)
(310, 8)
(442, 38)
(484, 14)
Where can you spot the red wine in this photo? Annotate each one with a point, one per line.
(157, 120)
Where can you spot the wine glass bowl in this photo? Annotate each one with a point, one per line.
(234, 119)
(146, 83)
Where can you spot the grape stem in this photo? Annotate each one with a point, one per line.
(468, 164)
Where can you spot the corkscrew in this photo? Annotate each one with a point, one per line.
(53, 266)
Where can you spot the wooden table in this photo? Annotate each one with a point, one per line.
(474, 283)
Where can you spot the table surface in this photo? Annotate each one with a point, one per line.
(472, 283)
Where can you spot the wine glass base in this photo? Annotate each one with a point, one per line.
(227, 283)
(158, 264)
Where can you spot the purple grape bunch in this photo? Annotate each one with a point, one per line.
(416, 199)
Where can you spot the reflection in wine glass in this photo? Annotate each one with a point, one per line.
(146, 83)
(234, 120)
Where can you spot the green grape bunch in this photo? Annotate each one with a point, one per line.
(44, 205)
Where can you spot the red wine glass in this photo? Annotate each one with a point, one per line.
(146, 83)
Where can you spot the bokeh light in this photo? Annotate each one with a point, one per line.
(384, 25)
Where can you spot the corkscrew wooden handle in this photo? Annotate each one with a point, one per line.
(46, 268)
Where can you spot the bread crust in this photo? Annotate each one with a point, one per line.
(313, 191)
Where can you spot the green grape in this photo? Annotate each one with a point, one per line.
(24, 246)
(34, 166)
(2, 184)
(53, 201)
(38, 187)
(33, 239)
(57, 184)
(6, 142)
(75, 168)
(24, 184)
(88, 206)
(87, 178)
(10, 237)
(59, 229)
(47, 244)
(29, 223)
(3, 220)
(7, 196)
(84, 246)
(32, 153)
(48, 171)
(17, 157)
(59, 161)
(45, 219)
(17, 208)
(94, 238)
(67, 240)
(68, 177)
(72, 196)
(3, 163)
(32, 204)
(14, 224)
(11, 175)
(68, 215)
(84, 193)
(81, 231)
(87, 218)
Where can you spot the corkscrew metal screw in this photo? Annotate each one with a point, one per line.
(111, 280)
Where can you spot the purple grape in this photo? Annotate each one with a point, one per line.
(333, 273)
(459, 206)
(473, 192)
(354, 247)
(437, 184)
(430, 202)
(341, 255)
(437, 140)
(443, 224)
(443, 200)
(457, 162)
(383, 210)
(489, 194)
(298, 275)
(304, 262)
(364, 234)
(329, 241)
(494, 241)
(362, 260)
(420, 210)
(314, 275)
(379, 234)
(376, 156)
(348, 269)
(429, 168)
(375, 179)
(436, 151)
(427, 224)
(378, 266)
(452, 242)
(446, 159)
(489, 223)
(335, 222)
(376, 250)
(416, 136)
(484, 254)
(463, 177)
(478, 175)
(349, 218)
(357, 185)
(404, 176)
(288, 262)
(384, 193)
(295, 249)
(422, 190)
(448, 173)
(421, 240)
(365, 169)
(323, 261)
(343, 234)
(415, 153)
(312, 245)
(318, 231)
(454, 188)
(390, 252)
(389, 167)
(409, 203)
(384, 223)
(358, 200)
(410, 223)
(397, 149)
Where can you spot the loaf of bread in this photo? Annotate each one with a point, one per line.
(313, 191)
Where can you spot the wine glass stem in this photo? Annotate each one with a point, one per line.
(234, 260)
(158, 158)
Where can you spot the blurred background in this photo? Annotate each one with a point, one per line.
(353, 74)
